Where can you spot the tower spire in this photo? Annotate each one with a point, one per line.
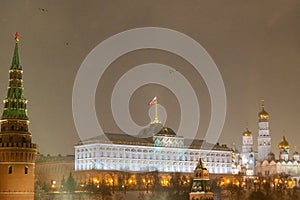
(15, 64)
(15, 102)
(200, 165)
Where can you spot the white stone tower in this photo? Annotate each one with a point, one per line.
(247, 153)
(247, 142)
(264, 138)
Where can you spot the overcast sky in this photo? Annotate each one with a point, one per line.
(255, 45)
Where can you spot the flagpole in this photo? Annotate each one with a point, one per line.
(156, 114)
(155, 101)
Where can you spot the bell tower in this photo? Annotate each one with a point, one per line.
(17, 152)
(264, 138)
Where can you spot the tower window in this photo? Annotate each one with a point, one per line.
(26, 170)
(10, 170)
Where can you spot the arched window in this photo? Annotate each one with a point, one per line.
(10, 170)
(26, 170)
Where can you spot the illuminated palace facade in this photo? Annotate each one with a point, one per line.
(163, 152)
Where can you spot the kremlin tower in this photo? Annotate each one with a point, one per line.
(17, 152)
(264, 138)
(201, 184)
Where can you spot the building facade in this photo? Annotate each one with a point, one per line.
(164, 152)
(51, 170)
(287, 164)
(17, 152)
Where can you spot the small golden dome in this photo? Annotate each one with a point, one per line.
(165, 131)
(283, 144)
(247, 133)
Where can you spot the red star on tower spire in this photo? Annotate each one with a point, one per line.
(17, 37)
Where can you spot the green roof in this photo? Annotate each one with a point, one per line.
(15, 64)
(15, 101)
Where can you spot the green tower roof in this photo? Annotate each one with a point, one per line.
(15, 102)
(16, 60)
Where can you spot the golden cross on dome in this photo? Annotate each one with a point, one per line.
(263, 103)
(17, 37)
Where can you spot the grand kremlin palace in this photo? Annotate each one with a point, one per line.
(163, 151)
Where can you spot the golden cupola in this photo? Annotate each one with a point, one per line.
(247, 133)
(283, 144)
(263, 115)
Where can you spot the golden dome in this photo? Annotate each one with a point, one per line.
(165, 131)
(283, 144)
(247, 133)
(263, 115)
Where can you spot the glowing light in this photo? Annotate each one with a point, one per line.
(264, 181)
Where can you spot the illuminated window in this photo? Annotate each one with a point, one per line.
(10, 170)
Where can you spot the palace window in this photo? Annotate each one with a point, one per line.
(10, 170)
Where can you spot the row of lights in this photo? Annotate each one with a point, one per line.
(275, 183)
(165, 181)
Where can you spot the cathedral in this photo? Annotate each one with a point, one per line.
(263, 162)
(17, 152)
(244, 162)
(286, 165)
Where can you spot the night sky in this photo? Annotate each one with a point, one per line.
(255, 45)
